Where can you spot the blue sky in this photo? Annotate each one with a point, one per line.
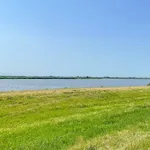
(75, 37)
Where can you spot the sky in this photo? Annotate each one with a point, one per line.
(75, 37)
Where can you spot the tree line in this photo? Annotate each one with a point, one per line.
(68, 77)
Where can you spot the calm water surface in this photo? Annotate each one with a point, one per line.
(10, 85)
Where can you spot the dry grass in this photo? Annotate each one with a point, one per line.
(122, 140)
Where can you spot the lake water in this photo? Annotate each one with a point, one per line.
(10, 85)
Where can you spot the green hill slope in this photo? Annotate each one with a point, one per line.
(75, 119)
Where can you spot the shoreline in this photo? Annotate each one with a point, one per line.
(62, 90)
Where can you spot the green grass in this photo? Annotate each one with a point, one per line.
(75, 119)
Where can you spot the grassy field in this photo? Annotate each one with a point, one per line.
(76, 119)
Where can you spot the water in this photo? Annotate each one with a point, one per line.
(11, 85)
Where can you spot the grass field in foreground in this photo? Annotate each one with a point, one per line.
(75, 119)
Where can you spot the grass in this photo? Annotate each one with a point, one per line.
(75, 119)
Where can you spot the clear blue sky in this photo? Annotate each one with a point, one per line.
(75, 37)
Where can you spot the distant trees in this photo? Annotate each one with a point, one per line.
(67, 77)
